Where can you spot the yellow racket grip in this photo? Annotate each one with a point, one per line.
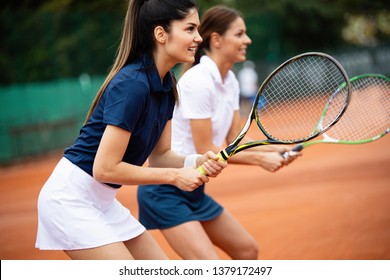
(201, 169)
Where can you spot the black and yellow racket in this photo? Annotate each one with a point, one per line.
(367, 117)
(298, 101)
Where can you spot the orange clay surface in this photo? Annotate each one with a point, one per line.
(331, 203)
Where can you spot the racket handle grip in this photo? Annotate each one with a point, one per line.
(201, 169)
(296, 148)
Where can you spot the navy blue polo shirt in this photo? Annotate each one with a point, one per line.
(134, 100)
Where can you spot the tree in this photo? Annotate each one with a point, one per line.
(49, 39)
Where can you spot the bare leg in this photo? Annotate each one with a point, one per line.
(190, 241)
(114, 251)
(140, 247)
(229, 235)
(145, 247)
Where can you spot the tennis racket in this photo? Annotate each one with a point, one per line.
(367, 117)
(300, 99)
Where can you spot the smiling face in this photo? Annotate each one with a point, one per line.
(182, 40)
(234, 42)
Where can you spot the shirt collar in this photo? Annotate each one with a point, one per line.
(214, 71)
(154, 77)
(212, 66)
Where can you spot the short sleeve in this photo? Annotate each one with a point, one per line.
(195, 96)
(236, 87)
(125, 103)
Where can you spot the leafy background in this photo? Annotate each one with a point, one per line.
(51, 39)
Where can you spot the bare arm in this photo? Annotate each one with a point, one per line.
(268, 157)
(163, 156)
(109, 167)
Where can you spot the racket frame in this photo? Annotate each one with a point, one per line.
(329, 140)
(234, 146)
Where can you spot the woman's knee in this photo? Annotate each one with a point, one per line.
(249, 250)
(252, 251)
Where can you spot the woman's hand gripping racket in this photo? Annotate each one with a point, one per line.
(367, 117)
(293, 104)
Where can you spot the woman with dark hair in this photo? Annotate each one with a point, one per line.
(128, 123)
(207, 117)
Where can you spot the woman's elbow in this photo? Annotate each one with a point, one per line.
(100, 173)
(153, 161)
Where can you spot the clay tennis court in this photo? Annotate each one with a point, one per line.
(332, 203)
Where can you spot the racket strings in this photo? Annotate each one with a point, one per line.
(297, 96)
(368, 113)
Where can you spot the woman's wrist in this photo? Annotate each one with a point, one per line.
(190, 160)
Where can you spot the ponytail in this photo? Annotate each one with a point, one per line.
(142, 17)
(124, 53)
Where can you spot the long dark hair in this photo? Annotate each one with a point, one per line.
(142, 17)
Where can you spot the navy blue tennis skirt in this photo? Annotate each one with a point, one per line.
(165, 206)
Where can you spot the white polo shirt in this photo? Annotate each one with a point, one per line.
(204, 96)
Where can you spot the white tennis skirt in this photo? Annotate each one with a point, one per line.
(77, 212)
